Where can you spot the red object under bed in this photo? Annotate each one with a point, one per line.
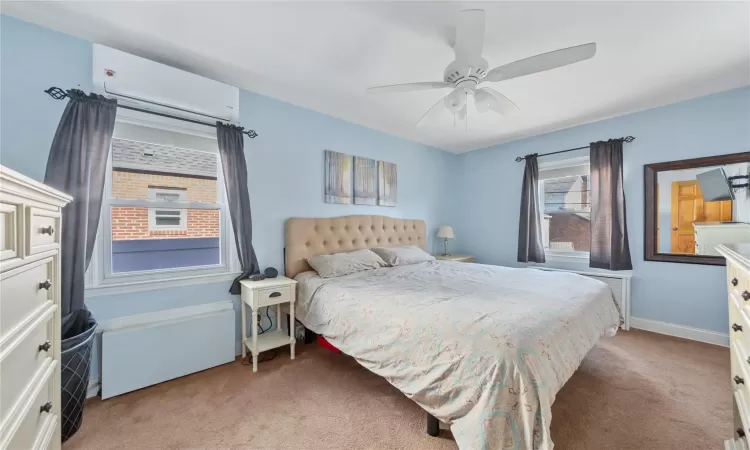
(325, 344)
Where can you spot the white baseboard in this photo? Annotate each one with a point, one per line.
(681, 331)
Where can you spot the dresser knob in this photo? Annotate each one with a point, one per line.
(740, 432)
(736, 327)
(46, 284)
(45, 347)
(734, 281)
(738, 380)
(48, 230)
(47, 407)
(746, 295)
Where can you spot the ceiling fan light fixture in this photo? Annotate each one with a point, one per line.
(455, 101)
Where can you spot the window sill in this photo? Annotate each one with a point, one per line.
(577, 257)
(126, 287)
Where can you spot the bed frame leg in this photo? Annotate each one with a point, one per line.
(433, 425)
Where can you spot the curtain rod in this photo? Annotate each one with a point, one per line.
(59, 94)
(626, 139)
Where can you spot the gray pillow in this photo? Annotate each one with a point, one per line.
(339, 264)
(403, 255)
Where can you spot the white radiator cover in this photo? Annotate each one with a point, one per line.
(619, 283)
(140, 351)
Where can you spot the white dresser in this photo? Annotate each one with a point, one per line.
(738, 282)
(29, 313)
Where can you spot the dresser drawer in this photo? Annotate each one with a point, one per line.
(739, 320)
(10, 238)
(738, 281)
(272, 296)
(739, 443)
(42, 230)
(34, 418)
(22, 359)
(740, 368)
(24, 290)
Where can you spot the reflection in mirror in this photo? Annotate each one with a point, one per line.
(700, 208)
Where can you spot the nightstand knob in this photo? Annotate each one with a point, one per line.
(47, 230)
(275, 294)
(738, 380)
(746, 295)
(47, 407)
(734, 281)
(46, 285)
(740, 432)
(736, 327)
(45, 347)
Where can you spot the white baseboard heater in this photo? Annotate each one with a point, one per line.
(619, 283)
(139, 351)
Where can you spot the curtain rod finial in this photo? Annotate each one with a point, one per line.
(519, 159)
(629, 139)
(56, 93)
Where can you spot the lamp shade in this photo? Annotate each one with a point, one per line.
(445, 232)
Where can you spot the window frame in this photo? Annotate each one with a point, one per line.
(570, 256)
(100, 280)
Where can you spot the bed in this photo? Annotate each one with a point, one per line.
(485, 349)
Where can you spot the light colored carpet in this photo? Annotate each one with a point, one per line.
(637, 390)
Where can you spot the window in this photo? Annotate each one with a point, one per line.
(165, 219)
(164, 214)
(565, 197)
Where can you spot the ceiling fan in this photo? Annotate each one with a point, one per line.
(469, 70)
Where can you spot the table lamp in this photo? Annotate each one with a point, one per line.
(446, 233)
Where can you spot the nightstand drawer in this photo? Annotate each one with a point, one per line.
(272, 296)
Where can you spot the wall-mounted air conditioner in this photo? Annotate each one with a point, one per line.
(149, 85)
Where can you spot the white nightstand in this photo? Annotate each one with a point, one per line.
(268, 292)
(459, 258)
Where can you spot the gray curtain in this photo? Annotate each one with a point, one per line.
(76, 165)
(231, 149)
(530, 244)
(609, 229)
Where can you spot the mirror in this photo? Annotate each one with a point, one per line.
(694, 205)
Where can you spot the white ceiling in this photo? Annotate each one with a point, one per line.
(323, 56)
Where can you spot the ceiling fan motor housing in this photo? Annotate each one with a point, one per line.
(458, 72)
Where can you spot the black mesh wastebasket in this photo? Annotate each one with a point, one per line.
(75, 358)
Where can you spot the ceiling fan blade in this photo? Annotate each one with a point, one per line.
(486, 99)
(409, 87)
(469, 36)
(540, 63)
(433, 111)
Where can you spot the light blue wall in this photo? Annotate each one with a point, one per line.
(285, 162)
(685, 294)
(33, 59)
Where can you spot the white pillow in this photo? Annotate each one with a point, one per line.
(403, 255)
(340, 264)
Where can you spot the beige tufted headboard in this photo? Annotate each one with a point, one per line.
(310, 237)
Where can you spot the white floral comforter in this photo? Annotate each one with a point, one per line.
(482, 348)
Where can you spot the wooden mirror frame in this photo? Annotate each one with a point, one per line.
(650, 178)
